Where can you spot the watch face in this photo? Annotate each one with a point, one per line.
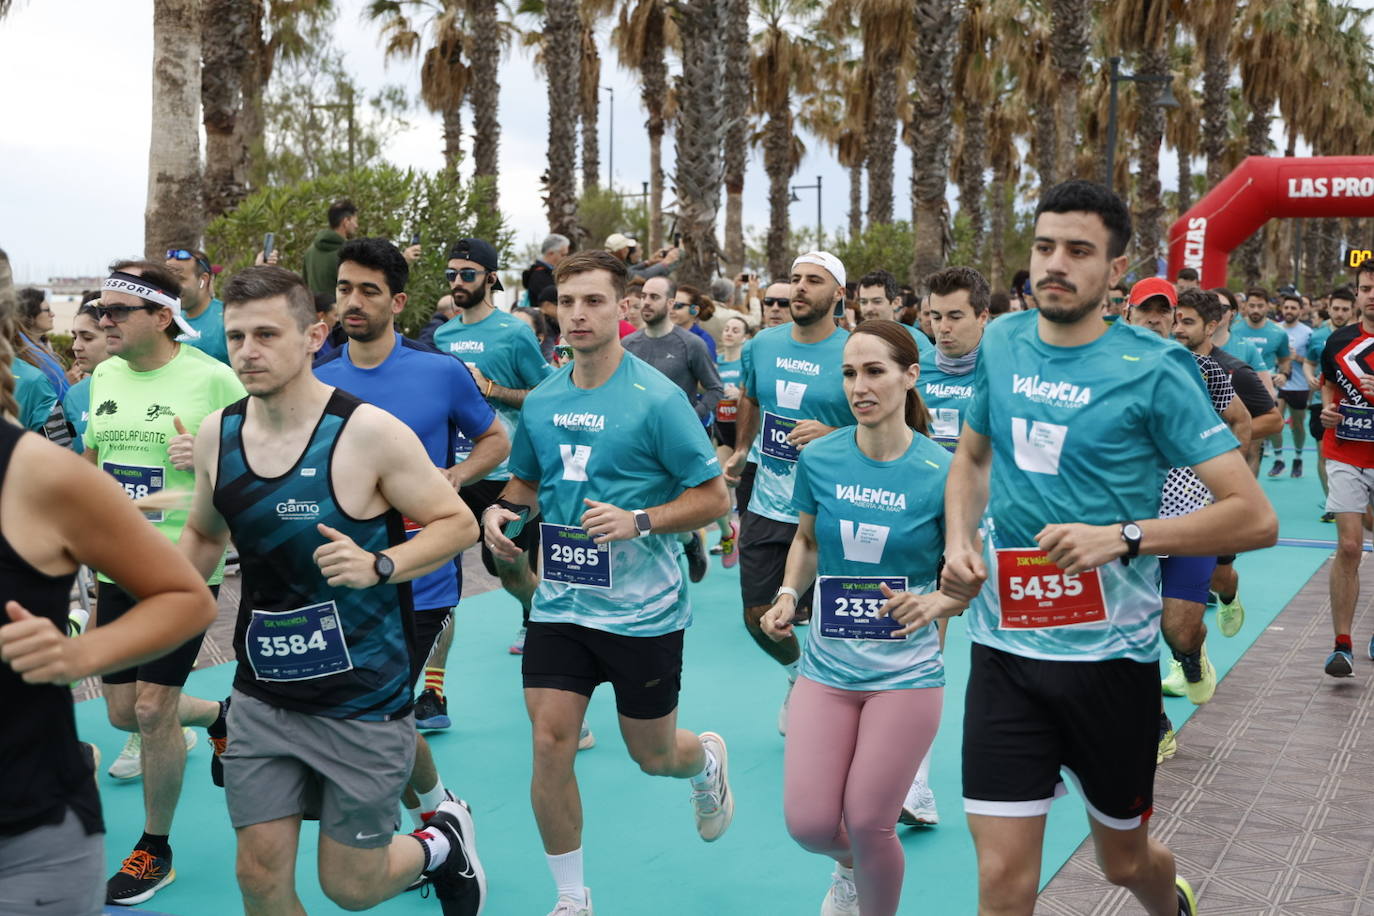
(385, 566)
(642, 521)
(1131, 531)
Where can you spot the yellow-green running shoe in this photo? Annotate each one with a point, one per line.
(1168, 743)
(1174, 683)
(1187, 900)
(1201, 690)
(1230, 616)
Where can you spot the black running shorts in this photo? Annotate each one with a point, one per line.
(1297, 400)
(172, 669)
(763, 546)
(1028, 723)
(429, 626)
(1314, 421)
(482, 493)
(644, 671)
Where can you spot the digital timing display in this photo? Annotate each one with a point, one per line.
(1356, 257)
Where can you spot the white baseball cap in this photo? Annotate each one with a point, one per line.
(823, 259)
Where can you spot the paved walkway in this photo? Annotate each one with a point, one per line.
(1269, 805)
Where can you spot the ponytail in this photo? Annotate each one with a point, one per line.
(902, 349)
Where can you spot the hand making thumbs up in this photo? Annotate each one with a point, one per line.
(181, 448)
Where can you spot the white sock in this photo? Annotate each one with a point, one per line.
(567, 874)
(708, 770)
(923, 771)
(845, 871)
(792, 670)
(436, 847)
(416, 820)
(429, 801)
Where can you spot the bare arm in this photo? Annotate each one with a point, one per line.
(966, 499)
(746, 430)
(488, 451)
(1266, 424)
(690, 510)
(78, 515)
(1238, 419)
(519, 493)
(206, 533)
(799, 572)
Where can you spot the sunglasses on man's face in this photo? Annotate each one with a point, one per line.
(466, 274)
(776, 302)
(182, 254)
(118, 313)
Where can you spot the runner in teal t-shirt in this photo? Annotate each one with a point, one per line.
(867, 705)
(615, 458)
(791, 392)
(34, 394)
(1256, 327)
(958, 312)
(200, 310)
(1052, 536)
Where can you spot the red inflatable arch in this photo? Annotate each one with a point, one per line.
(1261, 189)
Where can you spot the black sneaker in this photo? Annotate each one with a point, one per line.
(1297, 468)
(1277, 468)
(140, 877)
(1328, 517)
(697, 563)
(431, 710)
(459, 883)
(218, 733)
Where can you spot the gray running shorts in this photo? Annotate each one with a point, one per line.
(1350, 488)
(54, 869)
(347, 773)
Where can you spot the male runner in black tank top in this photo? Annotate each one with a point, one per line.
(311, 483)
(51, 831)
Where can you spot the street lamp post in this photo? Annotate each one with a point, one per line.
(795, 199)
(610, 141)
(343, 106)
(1166, 100)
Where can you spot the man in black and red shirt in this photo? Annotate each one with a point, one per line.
(1348, 393)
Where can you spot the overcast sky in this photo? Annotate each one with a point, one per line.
(74, 152)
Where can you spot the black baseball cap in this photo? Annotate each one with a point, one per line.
(479, 252)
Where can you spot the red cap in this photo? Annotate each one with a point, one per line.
(1154, 286)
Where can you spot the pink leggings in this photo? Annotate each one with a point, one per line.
(850, 758)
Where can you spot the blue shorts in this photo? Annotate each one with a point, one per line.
(1186, 578)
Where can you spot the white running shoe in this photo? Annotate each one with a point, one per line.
(782, 711)
(585, 738)
(714, 805)
(842, 899)
(568, 907)
(918, 809)
(129, 763)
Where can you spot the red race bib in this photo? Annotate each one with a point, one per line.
(1035, 594)
(726, 410)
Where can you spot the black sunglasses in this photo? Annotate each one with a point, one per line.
(776, 301)
(466, 274)
(119, 313)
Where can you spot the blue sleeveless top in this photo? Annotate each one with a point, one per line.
(301, 644)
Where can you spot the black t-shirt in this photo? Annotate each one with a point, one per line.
(1249, 388)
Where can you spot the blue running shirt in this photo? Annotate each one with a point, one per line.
(947, 397)
(791, 381)
(506, 351)
(1084, 434)
(437, 398)
(77, 406)
(874, 518)
(633, 442)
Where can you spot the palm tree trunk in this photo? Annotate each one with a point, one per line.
(1150, 136)
(1070, 23)
(453, 136)
(225, 39)
(972, 164)
(700, 135)
(1000, 198)
(736, 115)
(590, 98)
(250, 125)
(1256, 144)
(485, 91)
(1185, 180)
(882, 139)
(856, 200)
(562, 56)
(777, 155)
(1046, 145)
(653, 76)
(174, 212)
(937, 30)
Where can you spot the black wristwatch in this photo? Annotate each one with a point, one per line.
(1131, 534)
(383, 566)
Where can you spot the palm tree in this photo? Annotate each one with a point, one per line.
(781, 63)
(444, 77)
(227, 30)
(1202, 17)
(589, 96)
(836, 112)
(562, 66)
(937, 30)
(485, 41)
(174, 211)
(1183, 128)
(1006, 121)
(641, 40)
(700, 133)
(735, 112)
(885, 28)
(1039, 82)
(1070, 22)
(1142, 27)
(974, 81)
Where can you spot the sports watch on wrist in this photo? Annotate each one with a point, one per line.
(383, 566)
(642, 524)
(1131, 534)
